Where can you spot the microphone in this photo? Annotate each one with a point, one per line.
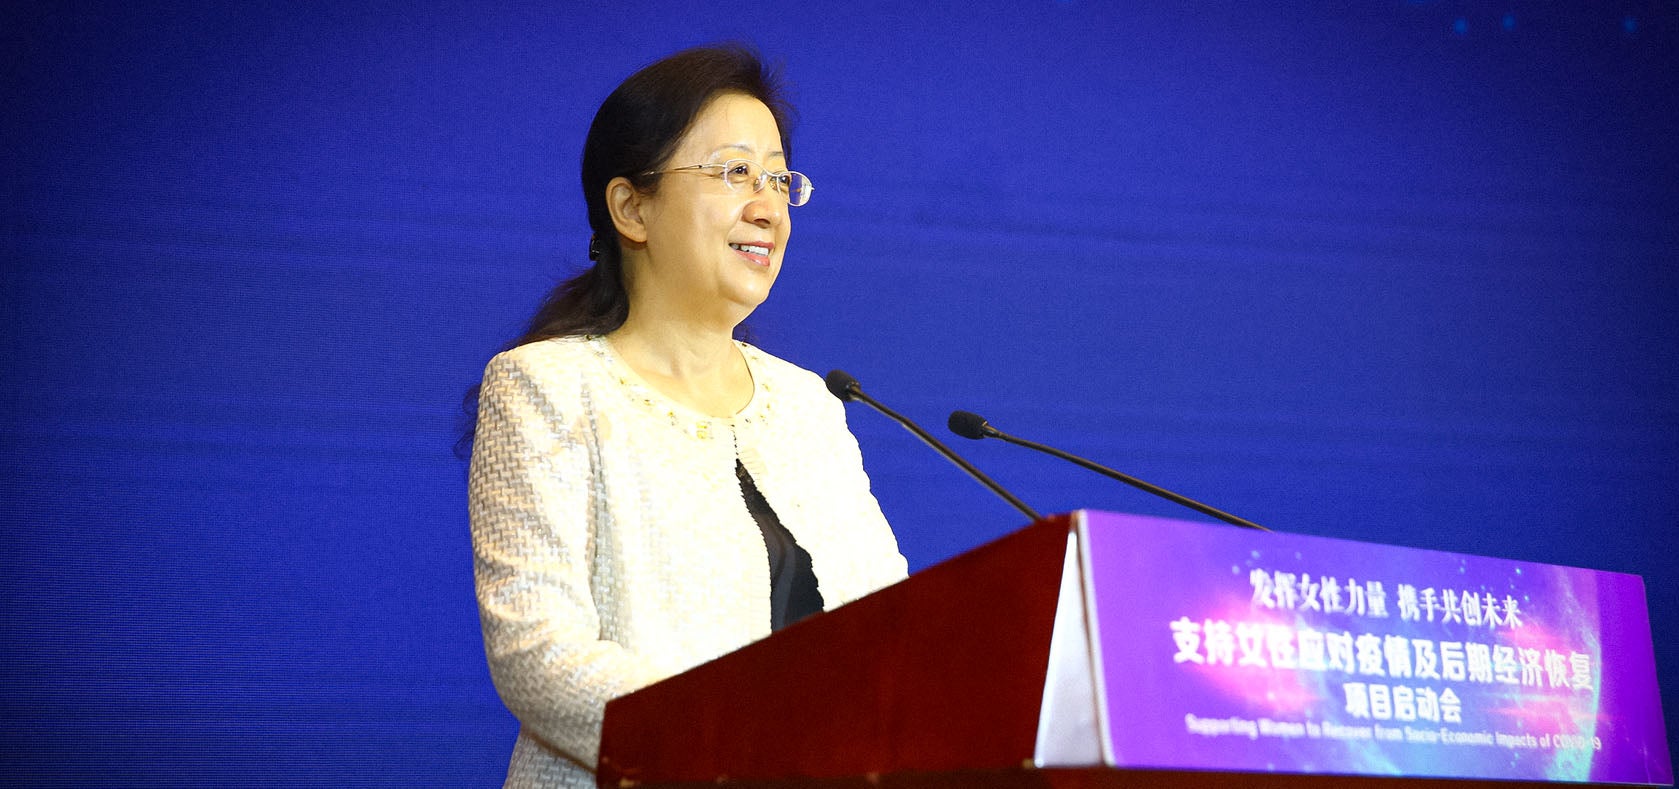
(971, 425)
(846, 388)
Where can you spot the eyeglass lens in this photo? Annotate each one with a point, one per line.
(744, 174)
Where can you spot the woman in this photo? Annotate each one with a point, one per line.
(647, 493)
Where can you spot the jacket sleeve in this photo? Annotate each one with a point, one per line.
(531, 492)
(877, 560)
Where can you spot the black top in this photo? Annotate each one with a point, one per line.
(793, 593)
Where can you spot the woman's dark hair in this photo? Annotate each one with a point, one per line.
(634, 132)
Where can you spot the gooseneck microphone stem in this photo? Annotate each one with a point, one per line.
(970, 425)
(846, 388)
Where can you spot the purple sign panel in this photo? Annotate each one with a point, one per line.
(1228, 649)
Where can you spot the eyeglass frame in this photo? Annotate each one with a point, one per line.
(765, 174)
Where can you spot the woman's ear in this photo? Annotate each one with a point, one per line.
(623, 201)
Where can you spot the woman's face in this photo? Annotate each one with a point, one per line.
(710, 251)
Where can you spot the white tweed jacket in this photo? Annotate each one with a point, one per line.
(611, 543)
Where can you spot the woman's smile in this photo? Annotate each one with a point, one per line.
(755, 252)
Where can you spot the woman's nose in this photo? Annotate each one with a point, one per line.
(767, 207)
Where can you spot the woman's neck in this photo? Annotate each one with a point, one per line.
(697, 366)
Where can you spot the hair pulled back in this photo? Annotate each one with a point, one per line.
(634, 132)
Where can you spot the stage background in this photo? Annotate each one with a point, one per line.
(1403, 272)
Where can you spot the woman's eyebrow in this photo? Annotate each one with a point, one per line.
(747, 147)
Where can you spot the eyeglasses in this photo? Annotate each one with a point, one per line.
(743, 174)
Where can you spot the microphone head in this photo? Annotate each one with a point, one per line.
(968, 424)
(842, 385)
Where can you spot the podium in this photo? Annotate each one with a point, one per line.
(1102, 650)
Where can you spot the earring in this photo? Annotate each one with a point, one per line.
(594, 247)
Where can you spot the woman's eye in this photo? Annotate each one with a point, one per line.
(738, 171)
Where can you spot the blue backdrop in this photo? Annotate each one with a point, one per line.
(1401, 272)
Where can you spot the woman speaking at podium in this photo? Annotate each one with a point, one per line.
(647, 493)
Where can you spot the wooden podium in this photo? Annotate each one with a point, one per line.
(1011, 665)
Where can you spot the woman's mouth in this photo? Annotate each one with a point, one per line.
(758, 254)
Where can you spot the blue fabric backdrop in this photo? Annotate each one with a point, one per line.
(1401, 272)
